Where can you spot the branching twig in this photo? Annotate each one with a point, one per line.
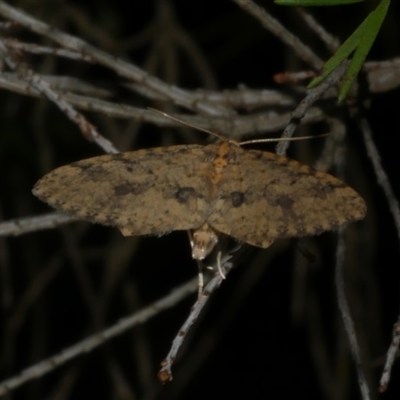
(123, 68)
(165, 373)
(36, 81)
(256, 123)
(301, 110)
(87, 345)
(384, 182)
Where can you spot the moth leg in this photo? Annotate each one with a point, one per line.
(200, 284)
(221, 273)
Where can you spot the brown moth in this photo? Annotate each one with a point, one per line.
(253, 196)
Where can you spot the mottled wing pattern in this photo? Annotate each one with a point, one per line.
(262, 197)
(149, 191)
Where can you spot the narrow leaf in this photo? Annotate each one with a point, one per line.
(373, 24)
(340, 55)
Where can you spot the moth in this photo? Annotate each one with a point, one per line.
(253, 196)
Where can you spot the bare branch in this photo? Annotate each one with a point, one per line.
(36, 49)
(123, 68)
(346, 315)
(381, 175)
(20, 226)
(165, 373)
(384, 182)
(270, 23)
(67, 84)
(390, 357)
(88, 130)
(331, 42)
(301, 110)
(94, 341)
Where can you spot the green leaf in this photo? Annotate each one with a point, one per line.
(341, 54)
(360, 42)
(372, 27)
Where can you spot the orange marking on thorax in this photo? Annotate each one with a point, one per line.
(220, 163)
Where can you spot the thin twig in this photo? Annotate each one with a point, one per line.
(19, 226)
(383, 79)
(346, 316)
(301, 110)
(332, 147)
(382, 76)
(243, 98)
(373, 65)
(274, 26)
(87, 345)
(37, 49)
(256, 123)
(293, 77)
(165, 373)
(390, 358)
(67, 84)
(88, 130)
(168, 22)
(381, 175)
(7, 25)
(179, 96)
(331, 42)
(384, 182)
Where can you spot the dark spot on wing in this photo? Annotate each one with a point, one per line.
(237, 199)
(130, 188)
(285, 202)
(183, 194)
(278, 199)
(133, 166)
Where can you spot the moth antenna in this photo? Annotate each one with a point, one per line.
(191, 125)
(266, 140)
(282, 139)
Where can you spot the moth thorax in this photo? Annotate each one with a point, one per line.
(203, 242)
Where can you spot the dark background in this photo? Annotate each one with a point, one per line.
(267, 329)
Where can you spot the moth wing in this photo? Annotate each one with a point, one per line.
(266, 197)
(150, 191)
